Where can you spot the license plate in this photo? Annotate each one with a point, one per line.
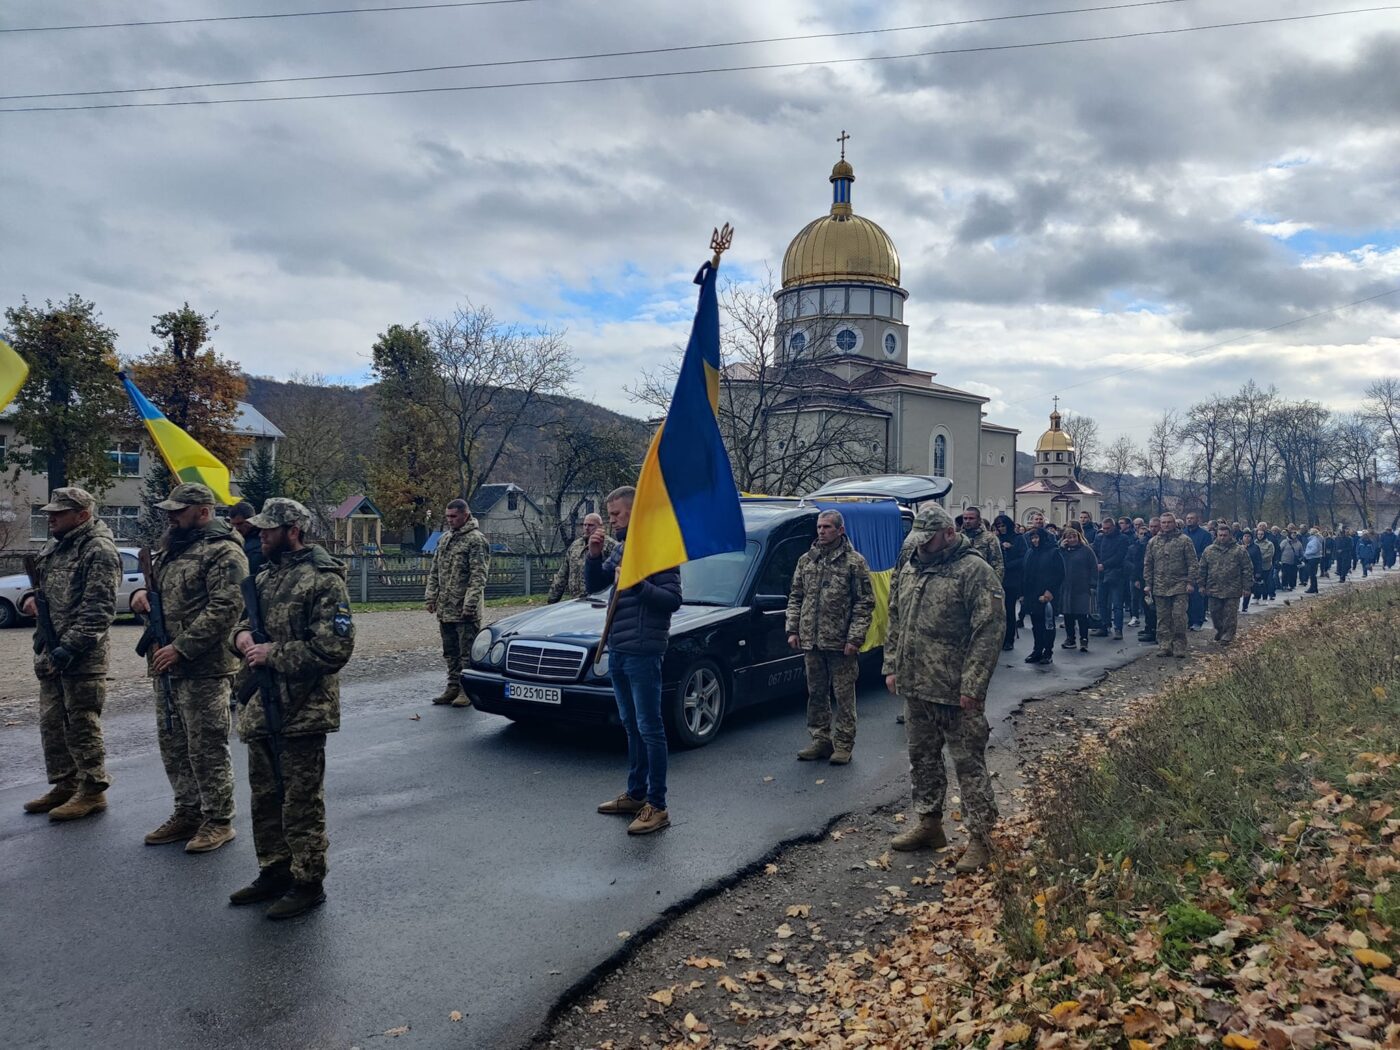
(540, 694)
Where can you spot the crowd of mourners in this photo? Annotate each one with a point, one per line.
(1093, 579)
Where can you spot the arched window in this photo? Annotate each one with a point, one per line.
(940, 454)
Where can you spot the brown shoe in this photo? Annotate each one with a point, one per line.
(83, 804)
(840, 757)
(177, 828)
(648, 820)
(975, 857)
(463, 700)
(624, 804)
(51, 799)
(448, 695)
(815, 751)
(926, 834)
(210, 837)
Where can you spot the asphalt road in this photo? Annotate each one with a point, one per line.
(468, 872)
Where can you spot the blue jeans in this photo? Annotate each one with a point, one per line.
(1113, 595)
(636, 679)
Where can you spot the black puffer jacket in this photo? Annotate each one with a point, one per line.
(1013, 554)
(642, 620)
(1044, 569)
(1111, 548)
(1075, 596)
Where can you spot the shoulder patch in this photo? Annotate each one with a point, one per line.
(342, 622)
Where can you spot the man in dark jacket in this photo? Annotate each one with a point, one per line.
(239, 517)
(641, 627)
(1013, 559)
(1388, 544)
(1087, 528)
(1200, 539)
(1111, 548)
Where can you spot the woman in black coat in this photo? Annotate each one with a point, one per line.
(1041, 575)
(1013, 559)
(1076, 592)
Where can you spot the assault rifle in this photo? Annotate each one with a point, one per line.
(156, 636)
(263, 682)
(47, 640)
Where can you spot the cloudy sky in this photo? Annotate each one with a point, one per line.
(1081, 219)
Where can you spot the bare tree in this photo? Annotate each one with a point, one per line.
(1203, 431)
(1251, 453)
(1084, 432)
(1383, 407)
(585, 457)
(1118, 462)
(1298, 431)
(490, 377)
(320, 465)
(1353, 449)
(1159, 456)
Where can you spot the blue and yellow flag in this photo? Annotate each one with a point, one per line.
(687, 505)
(187, 459)
(13, 372)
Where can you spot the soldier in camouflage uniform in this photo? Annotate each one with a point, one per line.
(77, 574)
(306, 612)
(1227, 575)
(985, 543)
(828, 615)
(568, 581)
(946, 626)
(1170, 571)
(196, 572)
(456, 592)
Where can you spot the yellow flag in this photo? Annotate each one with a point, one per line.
(13, 372)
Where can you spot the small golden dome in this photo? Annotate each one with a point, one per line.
(842, 170)
(841, 248)
(1054, 439)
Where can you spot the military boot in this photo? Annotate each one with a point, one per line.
(463, 700)
(301, 898)
(51, 799)
(975, 857)
(815, 751)
(83, 804)
(449, 694)
(177, 828)
(210, 837)
(926, 834)
(840, 757)
(273, 881)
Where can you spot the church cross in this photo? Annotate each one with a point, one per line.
(843, 138)
(1056, 399)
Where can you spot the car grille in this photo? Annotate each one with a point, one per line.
(547, 660)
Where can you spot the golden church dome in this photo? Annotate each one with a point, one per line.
(1055, 439)
(841, 246)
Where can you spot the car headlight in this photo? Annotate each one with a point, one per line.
(481, 644)
(497, 654)
(600, 665)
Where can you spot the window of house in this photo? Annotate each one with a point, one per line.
(882, 304)
(807, 303)
(588, 507)
(897, 304)
(38, 523)
(787, 307)
(860, 300)
(512, 500)
(940, 454)
(127, 456)
(833, 300)
(846, 340)
(1059, 457)
(125, 522)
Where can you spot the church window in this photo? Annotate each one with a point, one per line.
(846, 340)
(807, 303)
(940, 454)
(787, 307)
(1059, 457)
(860, 300)
(833, 300)
(891, 344)
(882, 304)
(797, 342)
(1045, 470)
(897, 304)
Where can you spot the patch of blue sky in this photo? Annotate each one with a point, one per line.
(1123, 301)
(1323, 242)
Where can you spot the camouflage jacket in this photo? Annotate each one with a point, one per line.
(988, 544)
(1170, 564)
(947, 621)
(306, 610)
(78, 575)
(457, 577)
(568, 581)
(198, 585)
(831, 601)
(1226, 570)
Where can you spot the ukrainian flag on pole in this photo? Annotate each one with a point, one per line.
(686, 505)
(13, 372)
(187, 459)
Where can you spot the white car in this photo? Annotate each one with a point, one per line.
(12, 588)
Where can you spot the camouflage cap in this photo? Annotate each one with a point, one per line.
(68, 498)
(930, 520)
(280, 511)
(190, 494)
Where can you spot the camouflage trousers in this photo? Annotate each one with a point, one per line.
(195, 749)
(831, 697)
(1172, 617)
(930, 727)
(1224, 617)
(291, 828)
(70, 727)
(456, 647)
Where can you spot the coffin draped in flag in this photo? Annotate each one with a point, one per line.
(13, 372)
(187, 459)
(686, 506)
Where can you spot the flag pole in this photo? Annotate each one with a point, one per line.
(720, 240)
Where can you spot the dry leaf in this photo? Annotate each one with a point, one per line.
(455, 1015)
(664, 996)
(704, 962)
(1139, 1044)
(1019, 1032)
(598, 1006)
(770, 869)
(729, 984)
(1235, 1041)
(822, 781)
(1368, 957)
(799, 911)
(768, 780)
(1386, 983)
(1064, 1009)
(415, 718)
(785, 931)
(394, 1033)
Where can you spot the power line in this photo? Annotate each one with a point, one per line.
(666, 74)
(252, 18)
(601, 54)
(1224, 342)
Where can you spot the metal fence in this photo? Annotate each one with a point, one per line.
(402, 577)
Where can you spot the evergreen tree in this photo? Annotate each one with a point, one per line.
(263, 479)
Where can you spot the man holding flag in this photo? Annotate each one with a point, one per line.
(685, 506)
